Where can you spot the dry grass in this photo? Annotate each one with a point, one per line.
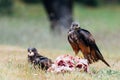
(29, 27)
(14, 66)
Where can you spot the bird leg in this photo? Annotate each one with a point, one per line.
(79, 54)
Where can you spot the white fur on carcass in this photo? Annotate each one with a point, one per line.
(68, 63)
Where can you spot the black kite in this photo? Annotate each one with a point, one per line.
(82, 40)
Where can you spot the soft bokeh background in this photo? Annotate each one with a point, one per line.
(24, 25)
(28, 25)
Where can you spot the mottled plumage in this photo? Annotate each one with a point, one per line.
(82, 40)
(37, 59)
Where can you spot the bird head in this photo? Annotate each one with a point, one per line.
(75, 25)
(32, 51)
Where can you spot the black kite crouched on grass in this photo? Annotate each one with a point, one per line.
(81, 39)
(38, 60)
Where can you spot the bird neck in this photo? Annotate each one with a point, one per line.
(77, 29)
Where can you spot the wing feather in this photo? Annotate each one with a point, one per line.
(81, 39)
(73, 43)
(89, 41)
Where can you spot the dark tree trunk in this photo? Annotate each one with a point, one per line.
(32, 1)
(6, 6)
(59, 13)
(111, 1)
(91, 3)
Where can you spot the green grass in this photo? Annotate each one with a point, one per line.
(29, 26)
(103, 22)
(14, 66)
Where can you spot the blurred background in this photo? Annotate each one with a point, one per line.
(44, 23)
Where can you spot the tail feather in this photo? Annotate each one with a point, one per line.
(102, 58)
(105, 62)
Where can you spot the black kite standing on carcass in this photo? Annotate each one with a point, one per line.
(81, 39)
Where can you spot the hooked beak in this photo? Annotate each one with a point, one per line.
(30, 53)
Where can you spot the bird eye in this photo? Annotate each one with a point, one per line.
(69, 29)
(75, 24)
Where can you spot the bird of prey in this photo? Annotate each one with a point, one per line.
(37, 59)
(82, 40)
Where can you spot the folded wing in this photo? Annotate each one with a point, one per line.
(92, 52)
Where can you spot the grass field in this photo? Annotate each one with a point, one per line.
(14, 66)
(29, 27)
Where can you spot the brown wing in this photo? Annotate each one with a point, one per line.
(90, 49)
(72, 41)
